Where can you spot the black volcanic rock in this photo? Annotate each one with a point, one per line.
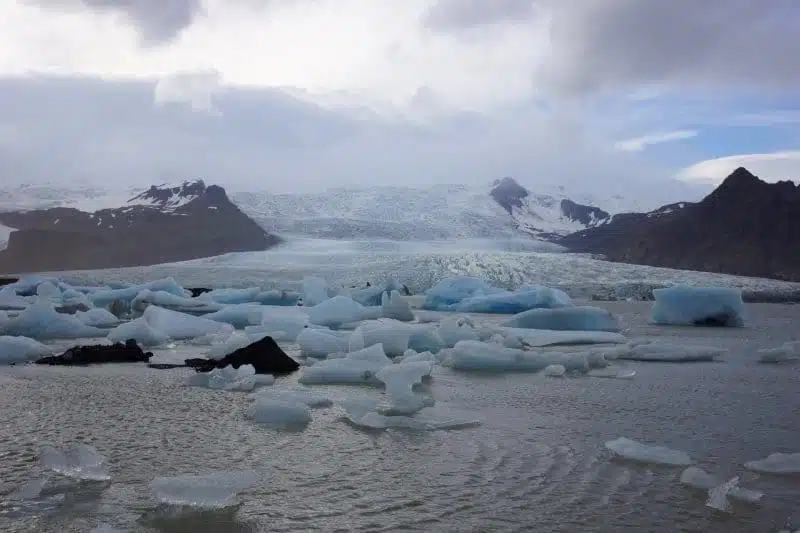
(744, 227)
(265, 356)
(160, 225)
(508, 193)
(584, 214)
(130, 352)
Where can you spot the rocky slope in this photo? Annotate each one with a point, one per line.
(162, 224)
(745, 227)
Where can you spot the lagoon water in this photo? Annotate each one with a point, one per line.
(537, 461)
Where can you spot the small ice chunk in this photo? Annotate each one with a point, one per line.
(217, 489)
(239, 316)
(41, 321)
(363, 413)
(718, 496)
(320, 343)
(776, 463)
(357, 368)
(612, 373)
(393, 335)
(228, 346)
(519, 337)
(698, 306)
(180, 326)
(98, 318)
(700, 479)
(305, 396)
(336, 311)
(399, 380)
(672, 353)
(583, 318)
(280, 413)
(140, 331)
(648, 453)
(425, 338)
(788, 353)
(78, 461)
(555, 371)
(21, 350)
(396, 307)
(104, 297)
(488, 357)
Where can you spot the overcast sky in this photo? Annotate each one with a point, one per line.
(305, 94)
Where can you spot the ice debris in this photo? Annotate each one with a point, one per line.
(555, 371)
(78, 461)
(700, 479)
(647, 453)
(40, 321)
(242, 379)
(399, 380)
(487, 357)
(698, 306)
(218, 489)
(718, 496)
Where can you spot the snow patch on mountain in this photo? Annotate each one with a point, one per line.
(167, 197)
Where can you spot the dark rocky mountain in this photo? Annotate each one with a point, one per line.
(745, 227)
(585, 214)
(508, 193)
(163, 224)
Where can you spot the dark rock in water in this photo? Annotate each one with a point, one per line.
(197, 291)
(265, 356)
(130, 352)
(71, 309)
(8, 281)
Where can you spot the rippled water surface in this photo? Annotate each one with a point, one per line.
(536, 463)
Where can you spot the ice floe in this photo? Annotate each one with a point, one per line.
(78, 461)
(647, 453)
(218, 489)
(776, 463)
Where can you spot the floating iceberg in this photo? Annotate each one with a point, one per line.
(518, 337)
(315, 291)
(776, 463)
(357, 368)
(170, 300)
(399, 380)
(718, 496)
(663, 352)
(336, 311)
(278, 298)
(648, 453)
(320, 343)
(394, 306)
(700, 479)
(698, 306)
(102, 298)
(393, 335)
(490, 357)
(445, 295)
(140, 331)
(363, 413)
(79, 461)
(21, 350)
(788, 353)
(584, 318)
(232, 296)
(454, 330)
(292, 321)
(555, 371)
(279, 413)
(523, 299)
(239, 315)
(242, 379)
(98, 318)
(228, 346)
(217, 489)
(10, 300)
(180, 326)
(41, 321)
(305, 396)
(425, 338)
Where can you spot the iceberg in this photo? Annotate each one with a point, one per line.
(396, 307)
(41, 321)
(584, 318)
(698, 306)
(169, 300)
(511, 303)
(140, 331)
(238, 315)
(445, 295)
(242, 379)
(776, 463)
(228, 346)
(98, 318)
(181, 326)
(698, 478)
(373, 296)
(425, 338)
(303, 395)
(102, 298)
(648, 453)
(663, 352)
(453, 330)
(335, 312)
(11, 301)
(555, 371)
(357, 368)
(291, 321)
(393, 335)
(78, 461)
(788, 353)
(315, 291)
(278, 298)
(489, 357)
(399, 380)
(279, 413)
(21, 350)
(320, 343)
(218, 489)
(518, 337)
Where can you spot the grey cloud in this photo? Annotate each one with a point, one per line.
(608, 44)
(68, 129)
(448, 15)
(157, 20)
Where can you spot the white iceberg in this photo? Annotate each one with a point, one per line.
(776, 463)
(489, 357)
(393, 335)
(320, 343)
(584, 318)
(217, 489)
(140, 331)
(181, 326)
(671, 353)
(21, 350)
(700, 479)
(555, 371)
(399, 380)
(357, 368)
(648, 453)
(41, 321)
(335, 312)
(394, 306)
(78, 461)
(303, 395)
(98, 318)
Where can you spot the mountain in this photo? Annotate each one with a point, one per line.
(503, 209)
(162, 224)
(745, 227)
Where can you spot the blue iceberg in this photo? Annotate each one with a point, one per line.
(448, 293)
(698, 306)
(510, 303)
(584, 318)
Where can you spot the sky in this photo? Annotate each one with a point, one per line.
(302, 95)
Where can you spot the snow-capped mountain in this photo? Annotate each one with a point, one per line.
(168, 198)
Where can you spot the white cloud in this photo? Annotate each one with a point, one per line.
(195, 89)
(637, 144)
(775, 166)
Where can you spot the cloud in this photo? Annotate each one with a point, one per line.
(775, 166)
(157, 20)
(449, 15)
(601, 45)
(637, 144)
(112, 134)
(194, 88)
